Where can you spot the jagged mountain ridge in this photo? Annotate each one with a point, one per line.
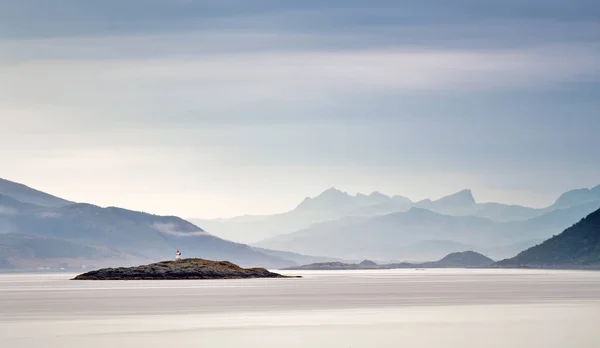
(334, 204)
(409, 235)
(137, 234)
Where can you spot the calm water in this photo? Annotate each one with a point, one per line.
(399, 308)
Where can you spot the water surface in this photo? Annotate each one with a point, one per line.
(389, 308)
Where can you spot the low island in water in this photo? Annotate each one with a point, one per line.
(192, 268)
(465, 259)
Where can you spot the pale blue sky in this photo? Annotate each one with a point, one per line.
(219, 108)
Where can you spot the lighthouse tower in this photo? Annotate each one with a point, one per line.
(177, 255)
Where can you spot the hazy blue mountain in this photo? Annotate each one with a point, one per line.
(334, 223)
(11, 206)
(383, 237)
(330, 200)
(576, 197)
(26, 194)
(460, 203)
(420, 234)
(329, 205)
(504, 212)
(461, 259)
(19, 246)
(334, 204)
(463, 203)
(546, 225)
(31, 231)
(502, 251)
(577, 246)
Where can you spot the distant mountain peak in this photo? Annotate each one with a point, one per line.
(329, 197)
(416, 211)
(463, 197)
(332, 191)
(367, 263)
(576, 197)
(377, 194)
(465, 258)
(332, 194)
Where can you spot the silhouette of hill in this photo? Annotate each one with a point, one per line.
(85, 231)
(463, 259)
(578, 246)
(454, 260)
(26, 194)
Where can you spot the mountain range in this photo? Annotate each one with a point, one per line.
(464, 259)
(393, 228)
(38, 229)
(420, 235)
(334, 204)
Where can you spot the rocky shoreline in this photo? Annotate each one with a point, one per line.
(193, 268)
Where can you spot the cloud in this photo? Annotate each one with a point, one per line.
(214, 104)
(54, 18)
(172, 229)
(211, 82)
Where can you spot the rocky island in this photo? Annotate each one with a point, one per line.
(192, 268)
(465, 259)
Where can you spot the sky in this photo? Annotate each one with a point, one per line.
(230, 107)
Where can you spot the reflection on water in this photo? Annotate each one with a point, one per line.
(432, 308)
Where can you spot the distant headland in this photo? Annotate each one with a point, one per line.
(465, 259)
(192, 268)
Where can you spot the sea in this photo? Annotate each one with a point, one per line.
(466, 308)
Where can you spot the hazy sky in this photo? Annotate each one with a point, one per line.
(220, 108)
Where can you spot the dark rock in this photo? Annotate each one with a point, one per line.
(463, 259)
(182, 269)
(367, 263)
